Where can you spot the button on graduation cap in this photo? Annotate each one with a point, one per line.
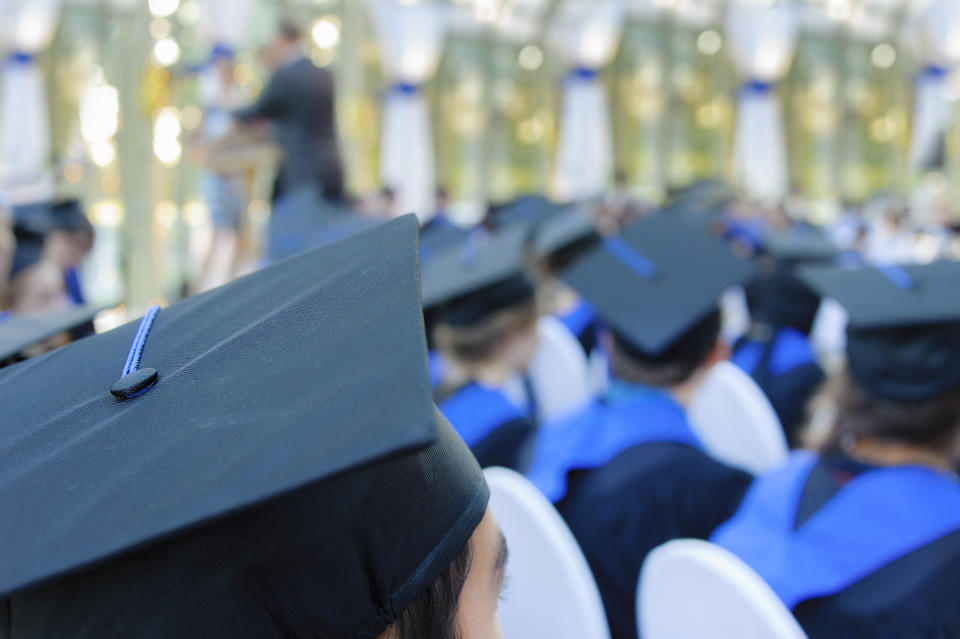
(135, 381)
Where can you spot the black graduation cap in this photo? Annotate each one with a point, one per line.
(802, 244)
(20, 332)
(483, 274)
(561, 231)
(36, 217)
(526, 210)
(279, 471)
(656, 281)
(28, 250)
(903, 336)
(777, 297)
(68, 215)
(437, 237)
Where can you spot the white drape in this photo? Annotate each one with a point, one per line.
(411, 40)
(588, 36)
(223, 23)
(940, 43)
(762, 41)
(27, 28)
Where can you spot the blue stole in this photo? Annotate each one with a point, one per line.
(594, 436)
(578, 318)
(475, 411)
(71, 280)
(877, 518)
(791, 349)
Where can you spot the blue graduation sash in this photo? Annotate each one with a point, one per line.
(578, 318)
(791, 350)
(475, 411)
(877, 518)
(595, 435)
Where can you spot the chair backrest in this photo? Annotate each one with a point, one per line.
(550, 589)
(691, 588)
(829, 332)
(736, 422)
(735, 313)
(559, 371)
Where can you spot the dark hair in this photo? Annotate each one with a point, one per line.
(288, 30)
(560, 259)
(930, 423)
(673, 366)
(484, 339)
(433, 613)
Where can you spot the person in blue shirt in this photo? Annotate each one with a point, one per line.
(863, 539)
(628, 472)
(483, 313)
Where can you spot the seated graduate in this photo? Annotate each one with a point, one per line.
(777, 351)
(36, 284)
(269, 463)
(485, 334)
(863, 540)
(628, 473)
(556, 243)
(69, 240)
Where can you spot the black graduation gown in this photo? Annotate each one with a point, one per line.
(648, 495)
(788, 373)
(497, 432)
(916, 596)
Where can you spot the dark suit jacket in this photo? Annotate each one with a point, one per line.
(299, 102)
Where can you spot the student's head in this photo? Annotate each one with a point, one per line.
(71, 237)
(288, 33)
(932, 423)
(462, 602)
(506, 336)
(695, 352)
(36, 288)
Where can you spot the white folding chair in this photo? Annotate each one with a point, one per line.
(550, 589)
(736, 422)
(559, 371)
(735, 312)
(691, 588)
(829, 333)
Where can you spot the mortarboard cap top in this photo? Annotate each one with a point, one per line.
(903, 337)
(287, 470)
(477, 277)
(657, 280)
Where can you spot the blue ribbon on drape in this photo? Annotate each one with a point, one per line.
(405, 89)
(582, 74)
(932, 72)
(21, 58)
(221, 50)
(756, 87)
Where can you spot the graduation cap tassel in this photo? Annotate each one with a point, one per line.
(135, 381)
(896, 275)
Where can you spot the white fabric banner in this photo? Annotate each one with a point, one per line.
(762, 41)
(588, 35)
(223, 23)
(411, 40)
(27, 28)
(939, 34)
